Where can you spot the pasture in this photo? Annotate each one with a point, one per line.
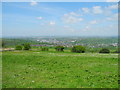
(41, 69)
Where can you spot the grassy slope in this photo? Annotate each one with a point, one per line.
(32, 69)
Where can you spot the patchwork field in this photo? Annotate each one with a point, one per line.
(37, 69)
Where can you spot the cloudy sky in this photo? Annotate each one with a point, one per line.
(60, 19)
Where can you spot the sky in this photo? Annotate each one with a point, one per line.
(59, 19)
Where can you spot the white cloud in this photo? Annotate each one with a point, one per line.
(93, 22)
(65, 14)
(109, 18)
(33, 3)
(107, 12)
(113, 6)
(87, 28)
(97, 10)
(85, 10)
(72, 17)
(52, 23)
(112, 0)
(66, 27)
(39, 18)
(74, 14)
(100, 10)
(114, 17)
(80, 19)
(69, 28)
(69, 19)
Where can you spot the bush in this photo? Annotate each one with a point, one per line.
(44, 49)
(59, 48)
(117, 51)
(27, 46)
(104, 50)
(78, 49)
(18, 47)
(3, 44)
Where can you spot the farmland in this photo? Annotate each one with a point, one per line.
(35, 68)
(51, 69)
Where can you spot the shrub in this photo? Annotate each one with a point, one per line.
(44, 49)
(117, 51)
(59, 48)
(3, 43)
(27, 46)
(104, 50)
(78, 49)
(18, 47)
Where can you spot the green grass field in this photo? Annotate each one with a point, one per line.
(37, 69)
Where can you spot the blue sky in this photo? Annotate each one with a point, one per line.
(60, 18)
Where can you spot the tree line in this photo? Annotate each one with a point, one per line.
(76, 49)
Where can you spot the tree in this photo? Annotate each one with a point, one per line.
(18, 47)
(104, 50)
(27, 46)
(3, 44)
(44, 49)
(78, 49)
(59, 48)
